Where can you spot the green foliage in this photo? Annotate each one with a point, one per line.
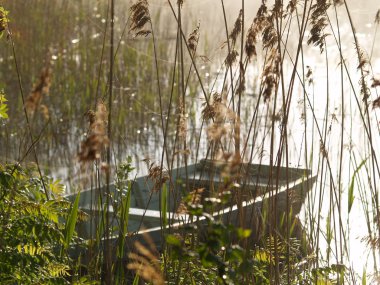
(3, 20)
(352, 184)
(3, 106)
(164, 206)
(333, 274)
(71, 222)
(211, 252)
(32, 230)
(124, 187)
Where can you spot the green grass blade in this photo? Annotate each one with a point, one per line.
(71, 221)
(352, 186)
(124, 219)
(136, 280)
(164, 206)
(364, 277)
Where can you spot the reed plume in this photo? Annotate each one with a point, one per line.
(93, 145)
(209, 111)
(146, 264)
(322, 149)
(193, 39)
(45, 111)
(259, 22)
(157, 175)
(309, 75)
(269, 32)
(182, 122)
(231, 58)
(250, 43)
(363, 65)
(241, 85)
(237, 28)
(376, 103)
(375, 82)
(42, 87)
(140, 17)
(271, 74)
(319, 22)
(338, 2)
(292, 6)
(222, 116)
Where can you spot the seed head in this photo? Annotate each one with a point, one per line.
(140, 17)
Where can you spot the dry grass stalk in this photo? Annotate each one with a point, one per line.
(338, 2)
(140, 16)
(41, 88)
(309, 75)
(363, 66)
(363, 59)
(250, 43)
(193, 39)
(278, 9)
(269, 32)
(255, 29)
(209, 110)
(271, 74)
(237, 28)
(373, 242)
(375, 82)
(222, 117)
(377, 17)
(322, 149)
(232, 170)
(231, 58)
(45, 112)
(146, 264)
(241, 86)
(92, 147)
(182, 122)
(157, 175)
(292, 5)
(318, 23)
(376, 103)
(217, 131)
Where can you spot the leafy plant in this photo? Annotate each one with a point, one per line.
(3, 106)
(33, 230)
(3, 20)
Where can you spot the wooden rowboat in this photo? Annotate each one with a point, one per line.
(266, 196)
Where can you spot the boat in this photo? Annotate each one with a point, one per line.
(262, 198)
